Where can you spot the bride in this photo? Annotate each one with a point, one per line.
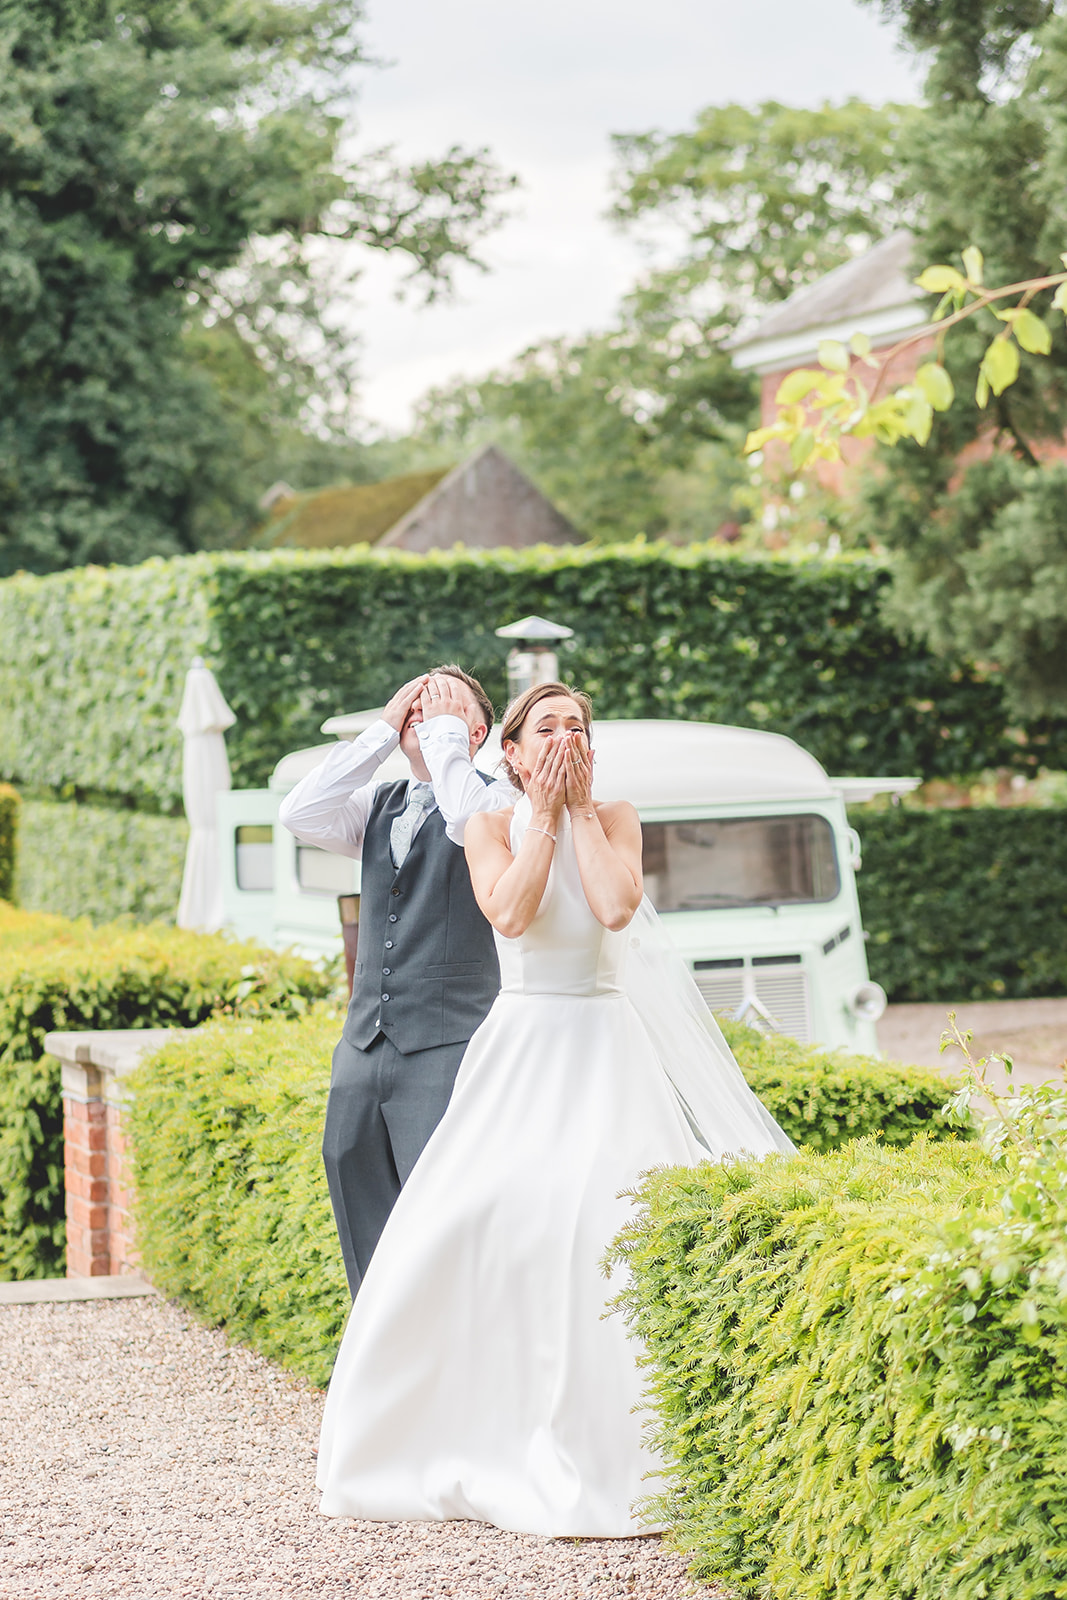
(479, 1376)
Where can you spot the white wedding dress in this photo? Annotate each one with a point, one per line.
(479, 1376)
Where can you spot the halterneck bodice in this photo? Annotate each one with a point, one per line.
(565, 950)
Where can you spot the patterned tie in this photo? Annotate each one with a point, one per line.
(420, 798)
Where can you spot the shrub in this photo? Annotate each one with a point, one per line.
(102, 978)
(94, 660)
(87, 861)
(823, 1098)
(965, 905)
(859, 1371)
(9, 840)
(233, 1213)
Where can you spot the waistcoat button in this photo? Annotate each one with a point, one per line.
(385, 997)
(387, 972)
(394, 891)
(388, 944)
(392, 916)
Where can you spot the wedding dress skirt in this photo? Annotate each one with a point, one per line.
(479, 1375)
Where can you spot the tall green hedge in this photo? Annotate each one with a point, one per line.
(965, 905)
(233, 1214)
(858, 1363)
(91, 861)
(93, 662)
(9, 840)
(72, 976)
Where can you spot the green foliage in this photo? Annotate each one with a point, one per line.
(631, 431)
(91, 678)
(859, 1372)
(233, 1213)
(10, 807)
(973, 577)
(167, 180)
(101, 978)
(770, 197)
(824, 1098)
(636, 428)
(965, 905)
(85, 861)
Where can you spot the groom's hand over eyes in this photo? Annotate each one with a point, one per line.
(443, 697)
(399, 707)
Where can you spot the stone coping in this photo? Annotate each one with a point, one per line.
(117, 1286)
(95, 1061)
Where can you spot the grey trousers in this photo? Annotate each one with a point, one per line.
(382, 1109)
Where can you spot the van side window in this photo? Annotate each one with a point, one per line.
(739, 861)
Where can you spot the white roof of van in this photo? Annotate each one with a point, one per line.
(650, 763)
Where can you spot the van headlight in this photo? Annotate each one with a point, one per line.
(867, 1001)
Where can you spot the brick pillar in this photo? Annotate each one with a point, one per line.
(95, 1153)
(85, 1163)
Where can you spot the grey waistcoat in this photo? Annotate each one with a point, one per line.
(427, 964)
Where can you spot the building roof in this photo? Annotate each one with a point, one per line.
(347, 513)
(483, 503)
(874, 293)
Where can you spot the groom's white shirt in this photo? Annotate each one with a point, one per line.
(331, 805)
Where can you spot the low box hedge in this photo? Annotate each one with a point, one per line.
(823, 1098)
(60, 975)
(858, 1367)
(9, 840)
(233, 1213)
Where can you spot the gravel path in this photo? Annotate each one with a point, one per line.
(142, 1456)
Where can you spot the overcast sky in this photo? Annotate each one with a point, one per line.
(544, 86)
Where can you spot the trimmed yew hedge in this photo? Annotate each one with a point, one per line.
(858, 1368)
(9, 840)
(62, 975)
(99, 862)
(965, 905)
(93, 662)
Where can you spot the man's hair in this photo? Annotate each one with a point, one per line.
(485, 705)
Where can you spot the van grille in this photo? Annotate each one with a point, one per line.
(784, 993)
(723, 991)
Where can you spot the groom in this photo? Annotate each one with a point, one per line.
(427, 971)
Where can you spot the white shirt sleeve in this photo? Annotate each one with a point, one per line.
(458, 787)
(331, 804)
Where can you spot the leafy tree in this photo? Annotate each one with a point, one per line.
(611, 427)
(637, 429)
(979, 543)
(170, 172)
(770, 197)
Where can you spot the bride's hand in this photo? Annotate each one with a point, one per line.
(579, 773)
(546, 785)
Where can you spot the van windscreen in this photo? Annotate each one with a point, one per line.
(739, 861)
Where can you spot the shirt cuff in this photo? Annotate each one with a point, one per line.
(380, 735)
(443, 727)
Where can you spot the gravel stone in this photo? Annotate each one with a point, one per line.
(142, 1456)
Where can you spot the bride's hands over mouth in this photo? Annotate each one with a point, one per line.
(546, 785)
(578, 773)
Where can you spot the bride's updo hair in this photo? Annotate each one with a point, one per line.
(520, 708)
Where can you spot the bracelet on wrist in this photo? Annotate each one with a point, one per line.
(532, 829)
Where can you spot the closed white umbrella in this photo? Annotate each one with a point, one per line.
(203, 719)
